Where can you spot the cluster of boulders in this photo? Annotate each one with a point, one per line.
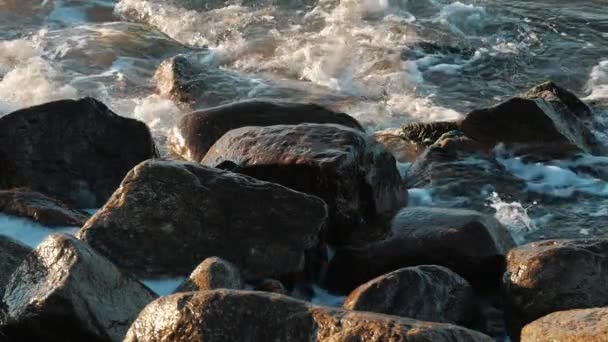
(260, 203)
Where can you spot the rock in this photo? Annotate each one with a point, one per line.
(64, 291)
(213, 273)
(356, 177)
(404, 151)
(76, 151)
(197, 132)
(427, 133)
(40, 208)
(227, 315)
(550, 119)
(167, 216)
(469, 243)
(588, 325)
(12, 253)
(270, 285)
(554, 275)
(460, 173)
(428, 293)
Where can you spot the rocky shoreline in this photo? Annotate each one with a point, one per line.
(260, 201)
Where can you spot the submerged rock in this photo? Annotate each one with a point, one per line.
(554, 275)
(168, 216)
(224, 315)
(461, 173)
(64, 291)
(12, 253)
(77, 151)
(213, 273)
(197, 132)
(350, 171)
(584, 325)
(548, 121)
(428, 293)
(40, 208)
(471, 244)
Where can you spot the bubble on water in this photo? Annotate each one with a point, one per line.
(514, 216)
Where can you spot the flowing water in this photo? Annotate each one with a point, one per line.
(386, 62)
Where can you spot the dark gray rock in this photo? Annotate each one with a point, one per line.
(213, 273)
(12, 254)
(554, 275)
(471, 244)
(40, 208)
(428, 293)
(195, 133)
(355, 175)
(224, 315)
(76, 151)
(64, 291)
(168, 216)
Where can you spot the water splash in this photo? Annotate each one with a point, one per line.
(514, 216)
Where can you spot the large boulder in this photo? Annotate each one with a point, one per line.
(548, 119)
(168, 216)
(583, 325)
(12, 253)
(428, 293)
(40, 208)
(554, 275)
(213, 273)
(357, 178)
(224, 315)
(460, 172)
(197, 132)
(77, 151)
(64, 291)
(472, 244)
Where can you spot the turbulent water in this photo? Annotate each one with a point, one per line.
(386, 62)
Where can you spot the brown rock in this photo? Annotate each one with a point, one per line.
(40, 208)
(588, 325)
(224, 315)
(554, 275)
(167, 216)
(12, 253)
(76, 151)
(64, 291)
(197, 132)
(355, 176)
(471, 244)
(213, 273)
(428, 293)
(404, 151)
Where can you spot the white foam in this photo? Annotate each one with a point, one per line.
(163, 287)
(419, 197)
(466, 19)
(323, 297)
(598, 81)
(29, 232)
(514, 216)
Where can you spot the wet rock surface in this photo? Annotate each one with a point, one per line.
(40, 208)
(583, 325)
(355, 176)
(196, 132)
(554, 275)
(12, 254)
(76, 151)
(64, 291)
(213, 273)
(224, 315)
(168, 216)
(471, 244)
(428, 293)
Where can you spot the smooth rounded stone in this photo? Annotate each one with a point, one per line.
(583, 325)
(554, 275)
(74, 150)
(467, 242)
(167, 216)
(213, 273)
(64, 291)
(40, 208)
(461, 173)
(356, 176)
(228, 315)
(195, 133)
(270, 285)
(549, 118)
(404, 151)
(428, 293)
(12, 253)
